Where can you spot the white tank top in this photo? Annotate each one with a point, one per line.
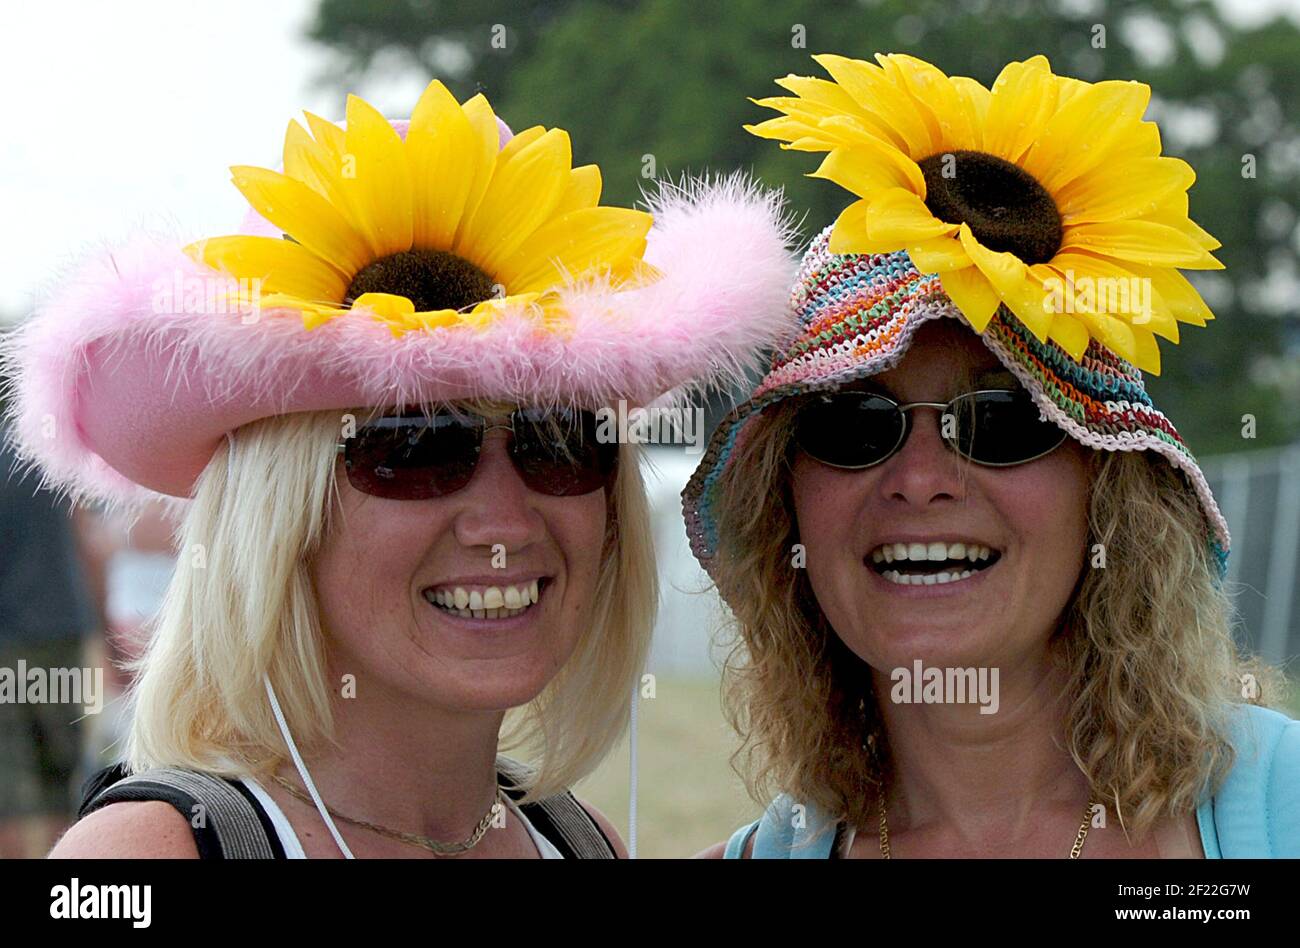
(293, 848)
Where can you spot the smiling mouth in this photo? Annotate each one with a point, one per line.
(931, 564)
(487, 602)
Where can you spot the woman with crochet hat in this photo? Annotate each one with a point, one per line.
(976, 575)
(406, 544)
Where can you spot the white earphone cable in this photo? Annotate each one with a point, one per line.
(302, 770)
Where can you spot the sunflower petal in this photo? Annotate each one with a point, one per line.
(525, 189)
(971, 291)
(281, 265)
(581, 191)
(1120, 191)
(1084, 131)
(1010, 277)
(1070, 334)
(380, 182)
(866, 169)
(305, 216)
(1140, 241)
(571, 247)
(849, 233)
(898, 217)
(487, 144)
(938, 255)
(1022, 101)
(441, 148)
(889, 105)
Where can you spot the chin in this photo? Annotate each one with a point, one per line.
(945, 644)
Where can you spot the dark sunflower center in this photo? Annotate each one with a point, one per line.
(1006, 209)
(431, 279)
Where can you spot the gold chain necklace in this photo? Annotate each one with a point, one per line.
(441, 849)
(1075, 850)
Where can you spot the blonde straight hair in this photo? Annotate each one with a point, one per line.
(241, 605)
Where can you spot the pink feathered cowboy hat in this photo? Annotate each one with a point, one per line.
(392, 263)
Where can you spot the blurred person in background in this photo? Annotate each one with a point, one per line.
(138, 558)
(50, 587)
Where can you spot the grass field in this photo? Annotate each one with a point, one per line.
(688, 797)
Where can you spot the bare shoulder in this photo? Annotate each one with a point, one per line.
(607, 828)
(147, 829)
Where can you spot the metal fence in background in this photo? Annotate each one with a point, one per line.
(1259, 493)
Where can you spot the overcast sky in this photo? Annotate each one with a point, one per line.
(125, 113)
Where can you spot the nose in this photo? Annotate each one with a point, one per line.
(925, 469)
(496, 507)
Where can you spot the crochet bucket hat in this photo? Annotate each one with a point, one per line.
(392, 264)
(1039, 214)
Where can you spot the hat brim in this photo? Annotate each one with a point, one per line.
(122, 389)
(1100, 402)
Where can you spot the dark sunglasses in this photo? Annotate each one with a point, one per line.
(995, 427)
(416, 457)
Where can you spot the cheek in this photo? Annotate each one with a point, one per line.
(366, 560)
(827, 507)
(1046, 503)
(577, 526)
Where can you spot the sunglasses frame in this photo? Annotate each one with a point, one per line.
(340, 448)
(906, 432)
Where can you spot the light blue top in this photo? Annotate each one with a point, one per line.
(1255, 814)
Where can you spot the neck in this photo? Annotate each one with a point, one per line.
(406, 764)
(973, 775)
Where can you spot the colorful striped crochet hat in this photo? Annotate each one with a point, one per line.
(1039, 212)
(856, 317)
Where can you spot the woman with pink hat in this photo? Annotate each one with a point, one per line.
(976, 574)
(405, 544)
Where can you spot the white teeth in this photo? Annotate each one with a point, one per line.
(495, 602)
(925, 579)
(937, 551)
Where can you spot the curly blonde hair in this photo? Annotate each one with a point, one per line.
(1146, 643)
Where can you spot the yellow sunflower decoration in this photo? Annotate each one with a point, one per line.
(1044, 193)
(442, 229)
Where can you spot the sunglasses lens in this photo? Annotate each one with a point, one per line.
(413, 458)
(1002, 428)
(558, 453)
(849, 429)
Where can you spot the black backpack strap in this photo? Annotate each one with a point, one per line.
(234, 825)
(560, 818)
